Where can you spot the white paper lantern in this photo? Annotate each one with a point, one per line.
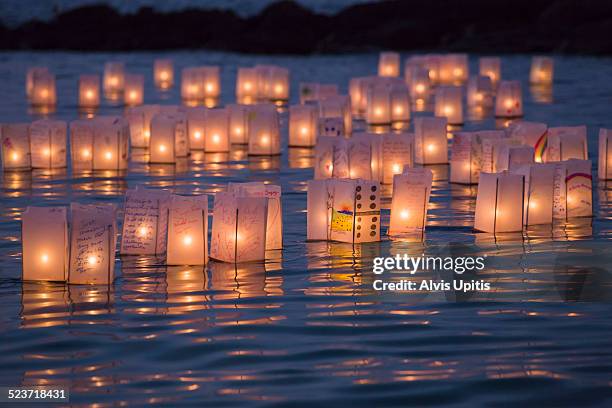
(491, 67)
(48, 144)
(397, 154)
(145, 222)
(89, 91)
(449, 104)
(43, 90)
(389, 64)
(579, 188)
(355, 93)
(187, 230)
(480, 91)
(400, 103)
(247, 86)
(453, 69)
(605, 154)
(303, 121)
(93, 240)
(499, 203)
(238, 123)
(564, 143)
(192, 84)
(16, 146)
(409, 202)
(44, 238)
(531, 134)
(169, 138)
(419, 83)
(264, 132)
(196, 127)
(31, 73)
(431, 143)
(163, 73)
(472, 153)
(212, 81)
(509, 157)
(357, 158)
(509, 100)
(133, 89)
(273, 82)
(337, 107)
(343, 210)
(139, 118)
(101, 143)
(331, 127)
(315, 91)
(542, 71)
(543, 202)
(239, 228)
(433, 63)
(114, 78)
(216, 134)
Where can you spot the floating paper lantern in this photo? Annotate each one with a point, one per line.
(331, 127)
(431, 143)
(358, 157)
(303, 121)
(397, 154)
(412, 63)
(578, 188)
(389, 64)
(212, 81)
(480, 91)
(264, 132)
(355, 93)
(453, 69)
(30, 75)
(564, 143)
(274, 218)
(238, 123)
(169, 138)
(542, 200)
(509, 157)
(605, 154)
(48, 144)
(379, 105)
(246, 86)
(509, 100)
(187, 230)
(239, 228)
(93, 239)
(133, 89)
(449, 104)
(531, 134)
(400, 103)
(343, 210)
(145, 222)
(43, 89)
(409, 202)
(101, 143)
(192, 87)
(163, 73)
(491, 67)
(196, 127)
(324, 156)
(542, 70)
(337, 107)
(472, 153)
(89, 91)
(216, 134)
(273, 83)
(314, 91)
(139, 118)
(44, 238)
(433, 64)
(365, 83)
(420, 83)
(499, 203)
(114, 77)
(16, 146)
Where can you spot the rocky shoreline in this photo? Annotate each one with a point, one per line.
(494, 26)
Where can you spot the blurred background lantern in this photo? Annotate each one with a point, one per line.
(431, 143)
(48, 146)
(509, 100)
(238, 123)
(43, 90)
(163, 73)
(216, 134)
(114, 77)
(89, 91)
(449, 104)
(389, 64)
(133, 89)
(491, 67)
(542, 71)
(303, 122)
(139, 118)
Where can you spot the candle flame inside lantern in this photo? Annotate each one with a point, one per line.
(508, 103)
(192, 89)
(142, 231)
(378, 111)
(91, 260)
(108, 155)
(44, 258)
(397, 168)
(210, 87)
(278, 88)
(133, 95)
(197, 134)
(533, 205)
(404, 214)
(163, 75)
(389, 70)
(457, 72)
(15, 156)
(89, 94)
(114, 81)
(147, 134)
(431, 147)
(238, 130)
(304, 130)
(47, 152)
(85, 153)
(247, 86)
(265, 140)
(448, 110)
(187, 240)
(162, 148)
(44, 92)
(419, 88)
(216, 139)
(399, 110)
(479, 96)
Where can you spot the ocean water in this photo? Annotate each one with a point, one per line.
(304, 328)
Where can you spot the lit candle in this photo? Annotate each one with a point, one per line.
(91, 260)
(108, 155)
(44, 258)
(197, 134)
(142, 231)
(404, 214)
(162, 148)
(187, 240)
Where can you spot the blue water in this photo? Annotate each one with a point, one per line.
(304, 328)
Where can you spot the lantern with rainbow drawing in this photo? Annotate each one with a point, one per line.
(264, 131)
(89, 91)
(491, 67)
(133, 89)
(48, 144)
(43, 90)
(567, 142)
(531, 134)
(44, 239)
(187, 230)
(303, 122)
(216, 134)
(499, 203)
(409, 201)
(114, 77)
(431, 143)
(389, 64)
(542, 71)
(578, 188)
(604, 170)
(101, 143)
(15, 146)
(509, 100)
(169, 138)
(163, 73)
(449, 104)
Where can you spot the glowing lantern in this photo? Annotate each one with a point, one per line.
(419, 83)
(133, 89)
(449, 104)
(139, 118)
(355, 93)
(365, 83)
(331, 127)
(409, 202)
(480, 91)
(212, 81)
(389, 64)
(238, 123)
(216, 134)
(499, 203)
(400, 103)
(239, 228)
(566, 143)
(453, 69)
(89, 91)
(192, 86)
(15, 146)
(273, 83)
(274, 218)
(264, 132)
(196, 127)
(247, 86)
(578, 188)
(542, 70)
(343, 210)
(314, 91)
(145, 222)
(605, 154)
(358, 157)
(491, 67)
(397, 154)
(303, 121)
(114, 77)
(324, 156)
(509, 157)
(163, 73)
(469, 156)
(433, 64)
(531, 134)
(93, 239)
(431, 143)
(187, 230)
(337, 107)
(101, 143)
(30, 75)
(48, 144)
(43, 89)
(44, 238)
(169, 138)
(413, 63)
(509, 100)
(542, 200)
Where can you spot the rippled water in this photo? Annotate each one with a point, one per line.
(304, 328)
